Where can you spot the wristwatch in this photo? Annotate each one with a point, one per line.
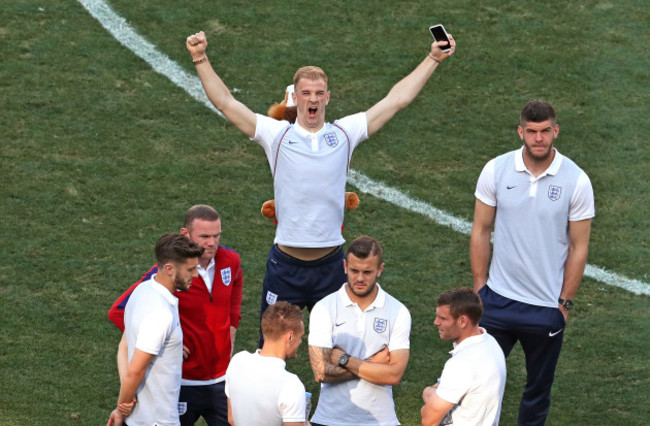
(343, 359)
(568, 304)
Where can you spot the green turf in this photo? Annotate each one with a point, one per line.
(101, 155)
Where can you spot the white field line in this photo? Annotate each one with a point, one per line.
(126, 35)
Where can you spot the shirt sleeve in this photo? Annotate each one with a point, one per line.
(266, 129)
(320, 326)
(401, 333)
(292, 401)
(153, 332)
(485, 189)
(356, 126)
(582, 201)
(116, 312)
(454, 382)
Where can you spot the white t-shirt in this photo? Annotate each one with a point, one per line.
(336, 321)
(152, 325)
(474, 379)
(531, 239)
(262, 392)
(309, 177)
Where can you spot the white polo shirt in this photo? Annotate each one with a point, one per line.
(309, 177)
(474, 379)
(531, 238)
(336, 321)
(152, 325)
(262, 392)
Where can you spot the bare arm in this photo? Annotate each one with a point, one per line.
(574, 267)
(236, 112)
(403, 93)
(231, 419)
(134, 375)
(434, 408)
(323, 368)
(233, 334)
(388, 372)
(479, 245)
(122, 358)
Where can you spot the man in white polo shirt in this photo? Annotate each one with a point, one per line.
(154, 338)
(260, 391)
(359, 344)
(541, 204)
(309, 161)
(470, 388)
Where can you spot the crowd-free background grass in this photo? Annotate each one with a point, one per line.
(100, 155)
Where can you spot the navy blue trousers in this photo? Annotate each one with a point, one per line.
(540, 331)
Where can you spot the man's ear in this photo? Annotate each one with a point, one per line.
(168, 269)
(463, 321)
(185, 232)
(345, 266)
(381, 268)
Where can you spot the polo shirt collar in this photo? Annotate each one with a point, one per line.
(472, 340)
(306, 133)
(271, 359)
(379, 302)
(552, 169)
(163, 290)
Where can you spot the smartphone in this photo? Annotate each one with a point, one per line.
(439, 34)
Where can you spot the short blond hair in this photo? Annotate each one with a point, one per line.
(310, 72)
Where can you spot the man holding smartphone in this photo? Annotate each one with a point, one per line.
(309, 161)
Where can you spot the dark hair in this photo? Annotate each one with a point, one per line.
(365, 246)
(176, 248)
(536, 111)
(200, 211)
(279, 318)
(462, 301)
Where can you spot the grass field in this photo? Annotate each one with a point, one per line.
(101, 155)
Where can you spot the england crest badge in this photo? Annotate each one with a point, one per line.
(331, 140)
(554, 192)
(226, 276)
(271, 298)
(380, 325)
(182, 408)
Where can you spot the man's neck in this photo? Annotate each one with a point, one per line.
(270, 349)
(474, 331)
(165, 282)
(537, 167)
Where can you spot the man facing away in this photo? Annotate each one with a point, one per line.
(541, 204)
(260, 391)
(470, 389)
(359, 344)
(309, 161)
(152, 373)
(210, 314)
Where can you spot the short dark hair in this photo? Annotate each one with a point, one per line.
(365, 246)
(280, 318)
(200, 211)
(176, 248)
(462, 301)
(536, 111)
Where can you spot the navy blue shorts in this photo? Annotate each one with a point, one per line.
(300, 282)
(207, 401)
